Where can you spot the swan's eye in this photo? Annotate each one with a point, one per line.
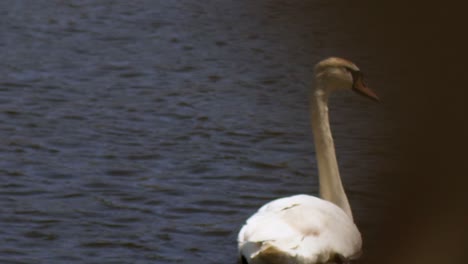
(357, 75)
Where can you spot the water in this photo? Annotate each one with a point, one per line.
(148, 131)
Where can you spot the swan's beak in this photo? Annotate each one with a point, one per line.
(361, 88)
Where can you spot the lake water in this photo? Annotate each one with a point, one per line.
(148, 131)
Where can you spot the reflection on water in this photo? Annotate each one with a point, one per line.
(148, 131)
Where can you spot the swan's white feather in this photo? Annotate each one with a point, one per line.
(299, 229)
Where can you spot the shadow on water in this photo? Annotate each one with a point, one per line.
(148, 131)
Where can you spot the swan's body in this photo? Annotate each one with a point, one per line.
(299, 229)
(304, 229)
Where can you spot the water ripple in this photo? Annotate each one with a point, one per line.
(149, 132)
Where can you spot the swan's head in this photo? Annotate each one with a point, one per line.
(338, 74)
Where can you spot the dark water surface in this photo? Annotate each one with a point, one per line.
(148, 131)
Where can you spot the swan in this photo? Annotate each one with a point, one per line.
(303, 229)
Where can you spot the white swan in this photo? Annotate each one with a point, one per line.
(304, 229)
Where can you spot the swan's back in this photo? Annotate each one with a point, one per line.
(299, 229)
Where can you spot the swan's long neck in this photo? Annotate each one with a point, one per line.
(331, 188)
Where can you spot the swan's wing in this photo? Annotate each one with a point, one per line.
(302, 226)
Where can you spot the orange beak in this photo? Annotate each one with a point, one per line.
(361, 88)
